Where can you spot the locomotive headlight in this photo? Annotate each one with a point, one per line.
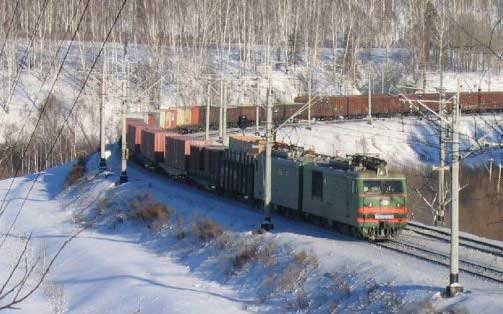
(385, 202)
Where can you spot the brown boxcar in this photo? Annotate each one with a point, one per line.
(153, 143)
(214, 116)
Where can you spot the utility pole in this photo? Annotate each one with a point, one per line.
(123, 177)
(208, 104)
(382, 78)
(454, 286)
(221, 111)
(370, 101)
(257, 111)
(490, 169)
(308, 99)
(103, 162)
(267, 223)
(257, 119)
(224, 117)
(441, 174)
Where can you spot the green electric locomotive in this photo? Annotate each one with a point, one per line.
(354, 194)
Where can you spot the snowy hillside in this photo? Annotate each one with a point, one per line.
(399, 141)
(121, 264)
(183, 80)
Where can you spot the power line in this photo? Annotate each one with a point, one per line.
(68, 115)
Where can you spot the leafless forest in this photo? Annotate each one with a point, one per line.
(463, 29)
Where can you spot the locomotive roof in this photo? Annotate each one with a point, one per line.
(359, 174)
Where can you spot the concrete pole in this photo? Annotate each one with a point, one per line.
(499, 179)
(441, 175)
(309, 83)
(267, 223)
(490, 169)
(208, 104)
(257, 111)
(123, 177)
(257, 120)
(103, 163)
(370, 101)
(382, 78)
(224, 120)
(221, 111)
(454, 285)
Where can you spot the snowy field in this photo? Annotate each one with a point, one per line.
(119, 265)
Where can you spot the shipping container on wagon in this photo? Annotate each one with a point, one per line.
(237, 174)
(247, 144)
(177, 151)
(133, 135)
(153, 144)
(168, 118)
(195, 115)
(183, 116)
(154, 120)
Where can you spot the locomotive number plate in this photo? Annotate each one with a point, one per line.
(381, 216)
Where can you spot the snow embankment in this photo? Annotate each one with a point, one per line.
(125, 262)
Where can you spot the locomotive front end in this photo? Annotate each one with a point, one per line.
(382, 207)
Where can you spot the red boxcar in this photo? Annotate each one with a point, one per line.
(195, 115)
(133, 135)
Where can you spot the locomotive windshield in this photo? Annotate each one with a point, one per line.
(382, 186)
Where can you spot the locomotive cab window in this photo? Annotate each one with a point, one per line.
(317, 185)
(383, 186)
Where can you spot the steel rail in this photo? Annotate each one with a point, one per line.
(470, 267)
(467, 242)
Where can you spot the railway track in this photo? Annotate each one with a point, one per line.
(478, 269)
(444, 236)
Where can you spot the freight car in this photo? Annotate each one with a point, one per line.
(354, 194)
(193, 119)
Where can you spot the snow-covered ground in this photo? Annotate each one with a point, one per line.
(118, 265)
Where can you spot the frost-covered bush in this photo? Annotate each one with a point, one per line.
(207, 229)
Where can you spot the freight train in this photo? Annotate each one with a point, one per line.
(193, 119)
(354, 194)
